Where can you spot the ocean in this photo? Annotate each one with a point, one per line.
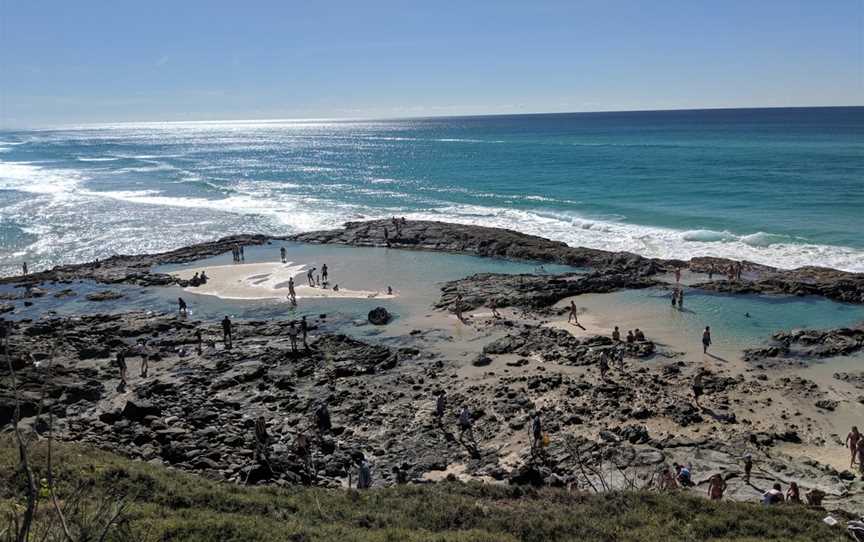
(783, 187)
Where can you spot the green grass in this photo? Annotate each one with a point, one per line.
(171, 505)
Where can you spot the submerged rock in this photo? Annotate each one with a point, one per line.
(379, 316)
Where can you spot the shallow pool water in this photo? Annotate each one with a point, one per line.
(728, 314)
(416, 276)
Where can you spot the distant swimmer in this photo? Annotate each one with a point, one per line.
(706, 339)
(284, 254)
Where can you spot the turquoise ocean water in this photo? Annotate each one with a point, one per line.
(778, 186)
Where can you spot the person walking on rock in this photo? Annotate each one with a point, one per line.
(181, 307)
(226, 332)
(440, 406)
(145, 357)
(364, 473)
(121, 366)
(852, 440)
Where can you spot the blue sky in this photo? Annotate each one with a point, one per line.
(99, 61)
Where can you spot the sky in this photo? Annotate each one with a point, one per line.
(88, 61)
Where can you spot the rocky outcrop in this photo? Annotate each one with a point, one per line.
(379, 316)
(533, 291)
(810, 344)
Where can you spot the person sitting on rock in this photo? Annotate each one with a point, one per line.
(773, 495)
(682, 475)
(494, 306)
(814, 497)
(262, 440)
(400, 474)
(616, 335)
(716, 487)
(226, 332)
(203, 277)
(322, 418)
(195, 280)
(638, 335)
(630, 337)
(389, 290)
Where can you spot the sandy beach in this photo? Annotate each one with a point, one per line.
(251, 281)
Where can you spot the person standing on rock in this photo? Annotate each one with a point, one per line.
(304, 332)
(697, 388)
(292, 336)
(182, 309)
(262, 440)
(458, 308)
(604, 365)
(536, 432)
(324, 275)
(292, 294)
(748, 467)
(706, 339)
(121, 366)
(793, 494)
(226, 332)
(440, 406)
(616, 335)
(283, 254)
(24, 269)
(465, 423)
(852, 440)
(364, 473)
(716, 487)
(145, 357)
(322, 418)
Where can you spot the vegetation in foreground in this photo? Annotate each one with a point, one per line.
(163, 504)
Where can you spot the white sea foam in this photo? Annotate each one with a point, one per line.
(97, 159)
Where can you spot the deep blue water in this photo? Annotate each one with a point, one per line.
(779, 186)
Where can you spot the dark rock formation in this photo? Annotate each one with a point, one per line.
(810, 343)
(379, 316)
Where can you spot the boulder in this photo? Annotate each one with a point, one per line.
(379, 316)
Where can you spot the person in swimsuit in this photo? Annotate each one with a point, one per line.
(182, 308)
(574, 314)
(283, 254)
(716, 487)
(324, 274)
(292, 295)
(616, 335)
(121, 365)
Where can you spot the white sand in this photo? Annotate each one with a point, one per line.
(265, 281)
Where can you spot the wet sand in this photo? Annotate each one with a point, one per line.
(266, 281)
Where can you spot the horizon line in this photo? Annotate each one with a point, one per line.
(103, 124)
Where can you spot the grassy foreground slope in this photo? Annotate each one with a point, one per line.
(170, 505)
